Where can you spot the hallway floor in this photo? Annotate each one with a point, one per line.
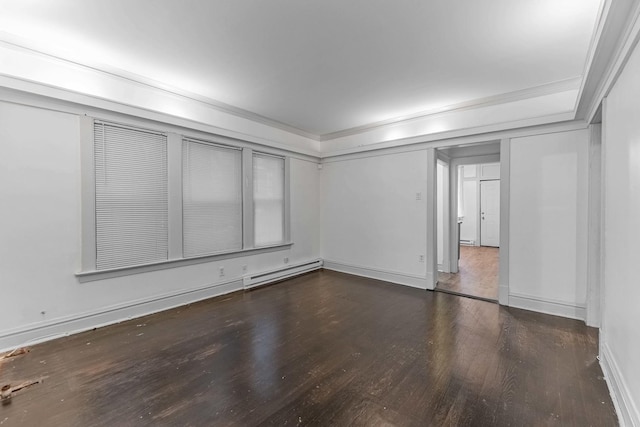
(478, 273)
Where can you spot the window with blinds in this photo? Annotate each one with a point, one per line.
(268, 199)
(212, 198)
(131, 200)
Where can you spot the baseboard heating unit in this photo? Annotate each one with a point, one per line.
(262, 278)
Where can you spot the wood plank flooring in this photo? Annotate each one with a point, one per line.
(477, 275)
(325, 348)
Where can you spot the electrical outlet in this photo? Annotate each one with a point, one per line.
(244, 268)
(221, 271)
(418, 196)
(420, 258)
(286, 260)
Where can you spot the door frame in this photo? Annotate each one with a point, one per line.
(504, 159)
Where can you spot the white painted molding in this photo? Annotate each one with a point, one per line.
(628, 414)
(56, 328)
(413, 281)
(450, 139)
(558, 107)
(505, 220)
(37, 95)
(21, 44)
(431, 258)
(97, 86)
(547, 306)
(596, 38)
(594, 232)
(622, 47)
(90, 276)
(519, 95)
(100, 71)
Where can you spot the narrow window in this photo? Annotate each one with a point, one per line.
(268, 199)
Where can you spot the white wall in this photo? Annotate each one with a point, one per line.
(548, 223)
(620, 336)
(372, 223)
(40, 235)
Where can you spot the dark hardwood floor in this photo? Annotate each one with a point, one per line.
(477, 273)
(321, 349)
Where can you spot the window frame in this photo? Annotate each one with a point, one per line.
(176, 258)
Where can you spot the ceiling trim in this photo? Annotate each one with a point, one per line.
(519, 95)
(596, 36)
(19, 43)
(40, 95)
(469, 135)
(418, 145)
(619, 35)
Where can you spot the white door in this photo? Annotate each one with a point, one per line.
(490, 213)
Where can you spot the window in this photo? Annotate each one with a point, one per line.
(268, 199)
(131, 210)
(158, 197)
(212, 198)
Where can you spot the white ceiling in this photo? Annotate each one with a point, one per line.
(322, 66)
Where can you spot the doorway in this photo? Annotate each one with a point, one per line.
(473, 199)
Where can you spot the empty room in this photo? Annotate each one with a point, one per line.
(409, 213)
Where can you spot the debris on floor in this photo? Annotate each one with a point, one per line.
(6, 392)
(17, 352)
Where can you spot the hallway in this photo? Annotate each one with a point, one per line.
(477, 276)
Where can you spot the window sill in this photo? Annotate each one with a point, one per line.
(93, 275)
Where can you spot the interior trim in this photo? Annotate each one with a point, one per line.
(518, 95)
(90, 276)
(628, 414)
(73, 324)
(547, 306)
(411, 280)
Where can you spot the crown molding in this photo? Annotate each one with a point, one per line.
(18, 43)
(39, 95)
(619, 34)
(562, 122)
(601, 20)
(519, 95)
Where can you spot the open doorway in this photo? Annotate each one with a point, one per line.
(470, 189)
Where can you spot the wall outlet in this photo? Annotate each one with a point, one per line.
(418, 196)
(244, 268)
(286, 260)
(221, 271)
(420, 258)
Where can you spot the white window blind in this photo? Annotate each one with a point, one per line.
(268, 199)
(131, 204)
(212, 198)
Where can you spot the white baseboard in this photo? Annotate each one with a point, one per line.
(388, 276)
(547, 306)
(628, 414)
(45, 331)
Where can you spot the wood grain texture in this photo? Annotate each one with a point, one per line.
(325, 348)
(477, 273)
